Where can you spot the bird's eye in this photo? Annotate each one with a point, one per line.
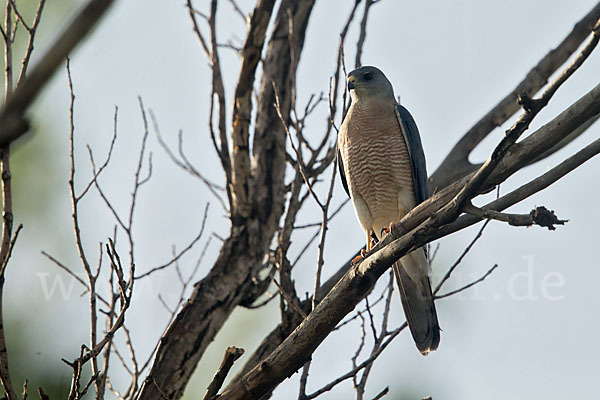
(367, 76)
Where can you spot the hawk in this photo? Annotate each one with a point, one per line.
(382, 167)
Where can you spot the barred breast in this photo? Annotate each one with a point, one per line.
(377, 162)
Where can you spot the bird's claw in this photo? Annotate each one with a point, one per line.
(387, 230)
(361, 256)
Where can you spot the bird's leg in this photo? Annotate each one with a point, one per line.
(363, 252)
(361, 256)
(389, 229)
(369, 241)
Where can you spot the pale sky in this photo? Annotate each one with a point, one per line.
(528, 331)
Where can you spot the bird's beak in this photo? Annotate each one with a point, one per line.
(351, 85)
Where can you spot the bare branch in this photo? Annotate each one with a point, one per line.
(391, 336)
(456, 163)
(475, 282)
(238, 10)
(12, 123)
(363, 33)
(184, 163)
(6, 244)
(68, 270)
(218, 91)
(193, 12)
(539, 216)
(242, 108)
(530, 188)
(231, 355)
(461, 257)
(32, 31)
(290, 301)
(297, 150)
(182, 252)
(98, 171)
(382, 393)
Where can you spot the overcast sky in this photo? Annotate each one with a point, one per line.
(528, 331)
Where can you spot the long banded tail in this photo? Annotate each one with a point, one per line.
(417, 301)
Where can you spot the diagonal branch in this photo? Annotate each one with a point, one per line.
(217, 89)
(456, 164)
(12, 122)
(417, 228)
(243, 252)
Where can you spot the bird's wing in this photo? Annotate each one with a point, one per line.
(342, 174)
(415, 150)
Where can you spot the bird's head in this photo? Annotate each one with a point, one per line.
(367, 83)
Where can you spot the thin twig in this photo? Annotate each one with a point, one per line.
(98, 171)
(77, 234)
(181, 300)
(324, 221)
(238, 10)
(217, 90)
(30, 87)
(391, 336)
(539, 216)
(31, 38)
(184, 162)
(304, 380)
(7, 209)
(363, 33)
(297, 150)
(316, 234)
(460, 258)
(288, 298)
(481, 279)
(231, 355)
(183, 251)
(382, 393)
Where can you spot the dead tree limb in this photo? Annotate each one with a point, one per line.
(457, 164)
(231, 278)
(416, 229)
(12, 120)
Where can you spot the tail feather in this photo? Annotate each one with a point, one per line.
(417, 301)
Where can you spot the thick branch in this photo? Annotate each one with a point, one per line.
(519, 156)
(12, 122)
(530, 188)
(578, 114)
(417, 228)
(242, 108)
(242, 254)
(456, 163)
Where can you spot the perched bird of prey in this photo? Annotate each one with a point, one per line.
(382, 167)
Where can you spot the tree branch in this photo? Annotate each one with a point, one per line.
(242, 109)
(243, 252)
(539, 216)
(231, 355)
(456, 164)
(415, 230)
(12, 120)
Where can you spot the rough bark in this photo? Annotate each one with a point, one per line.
(258, 205)
(416, 229)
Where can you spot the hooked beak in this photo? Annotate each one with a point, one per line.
(351, 85)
